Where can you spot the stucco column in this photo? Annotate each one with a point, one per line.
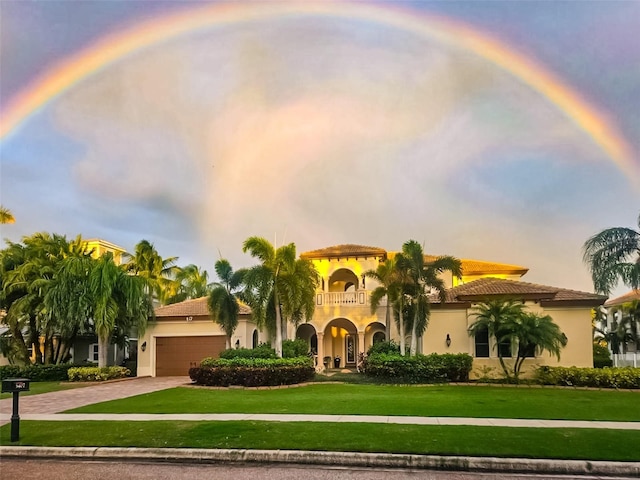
(360, 344)
(320, 366)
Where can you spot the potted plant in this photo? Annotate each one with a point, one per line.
(336, 362)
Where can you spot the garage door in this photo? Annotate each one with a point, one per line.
(175, 355)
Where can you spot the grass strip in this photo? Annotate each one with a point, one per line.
(428, 401)
(555, 443)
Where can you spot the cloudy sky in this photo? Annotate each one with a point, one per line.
(502, 131)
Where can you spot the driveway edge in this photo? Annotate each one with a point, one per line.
(343, 459)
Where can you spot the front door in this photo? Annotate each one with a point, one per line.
(350, 348)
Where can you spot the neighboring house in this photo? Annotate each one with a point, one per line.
(628, 352)
(343, 325)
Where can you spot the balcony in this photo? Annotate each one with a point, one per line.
(358, 298)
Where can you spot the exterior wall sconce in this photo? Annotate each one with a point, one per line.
(143, 347)
(448, 341)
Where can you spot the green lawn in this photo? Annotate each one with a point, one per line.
(454, 440)
(433, 401)
(44, 387)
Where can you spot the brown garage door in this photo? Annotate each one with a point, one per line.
(175, 355)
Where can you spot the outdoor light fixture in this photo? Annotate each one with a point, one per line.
(448, 341)
(143, 347)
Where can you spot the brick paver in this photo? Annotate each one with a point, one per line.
(55, 402)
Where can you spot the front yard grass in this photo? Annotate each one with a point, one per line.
(427, 401)
(586, 444)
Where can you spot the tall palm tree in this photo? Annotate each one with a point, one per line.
(494, 316)
(223, 301)
(423, 279)
(118, 300)
(385, 275)
(613, 255)
(158, 272)
(6, 216)
(281, 285)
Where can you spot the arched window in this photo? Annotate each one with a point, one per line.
(378, 337)
(255, 339)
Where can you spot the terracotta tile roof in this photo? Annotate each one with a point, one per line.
(192, 308)
(498, 287)
(626, 298)
(478, 267)
(347, 250)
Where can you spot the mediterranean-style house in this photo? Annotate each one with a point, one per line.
(344, 326)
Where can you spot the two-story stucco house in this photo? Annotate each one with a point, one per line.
(343, 324)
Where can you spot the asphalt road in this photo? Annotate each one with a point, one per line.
(11, 469)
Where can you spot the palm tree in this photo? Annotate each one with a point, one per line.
(281, 285)
(118, 300)
(385, 274)
(494, 316)
(423, 279)
(507, 321)
(613, 255)
(223, 302)
(533, 331)
(6, 216)
(158, 272)
(191, 282)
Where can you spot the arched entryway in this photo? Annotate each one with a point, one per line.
(254, 339)
(307, 332)
(340, 341)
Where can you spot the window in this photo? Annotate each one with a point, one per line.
(378, 337)
(255, 339)
(93, 353)
(482, 343)
(504, 348)
(529, 350)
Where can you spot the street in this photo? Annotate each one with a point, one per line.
(15, 469)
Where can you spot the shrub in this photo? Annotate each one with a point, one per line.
(263, 350)
(626, 377)
(389, 347)
(97, 374)
(295, 348)
(420, 368)
(601, 356)
(252, 372)
(37, 373)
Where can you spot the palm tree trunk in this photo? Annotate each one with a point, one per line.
(278, 346)
(387, 321)
(401, 327)
(228, 338)
(414, 328)
(103, 349)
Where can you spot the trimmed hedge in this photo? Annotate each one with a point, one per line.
(38, 373)
(420, 368)
(626, 377)
(601, 356)
(252, 372)
(97, 374)
(263, 350)
(295, 348)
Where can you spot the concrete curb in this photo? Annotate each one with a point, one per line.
(343, 459)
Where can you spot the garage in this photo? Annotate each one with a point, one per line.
(175, 355)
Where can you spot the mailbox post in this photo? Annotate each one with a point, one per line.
(15, 386)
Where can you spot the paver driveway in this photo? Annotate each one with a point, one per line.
(55, 402)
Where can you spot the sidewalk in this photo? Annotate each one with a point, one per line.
(225, 417)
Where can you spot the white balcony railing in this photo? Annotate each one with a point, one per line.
(361, 297)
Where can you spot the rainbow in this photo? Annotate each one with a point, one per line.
(116, 46)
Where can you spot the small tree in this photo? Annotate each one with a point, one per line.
(507, 321)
